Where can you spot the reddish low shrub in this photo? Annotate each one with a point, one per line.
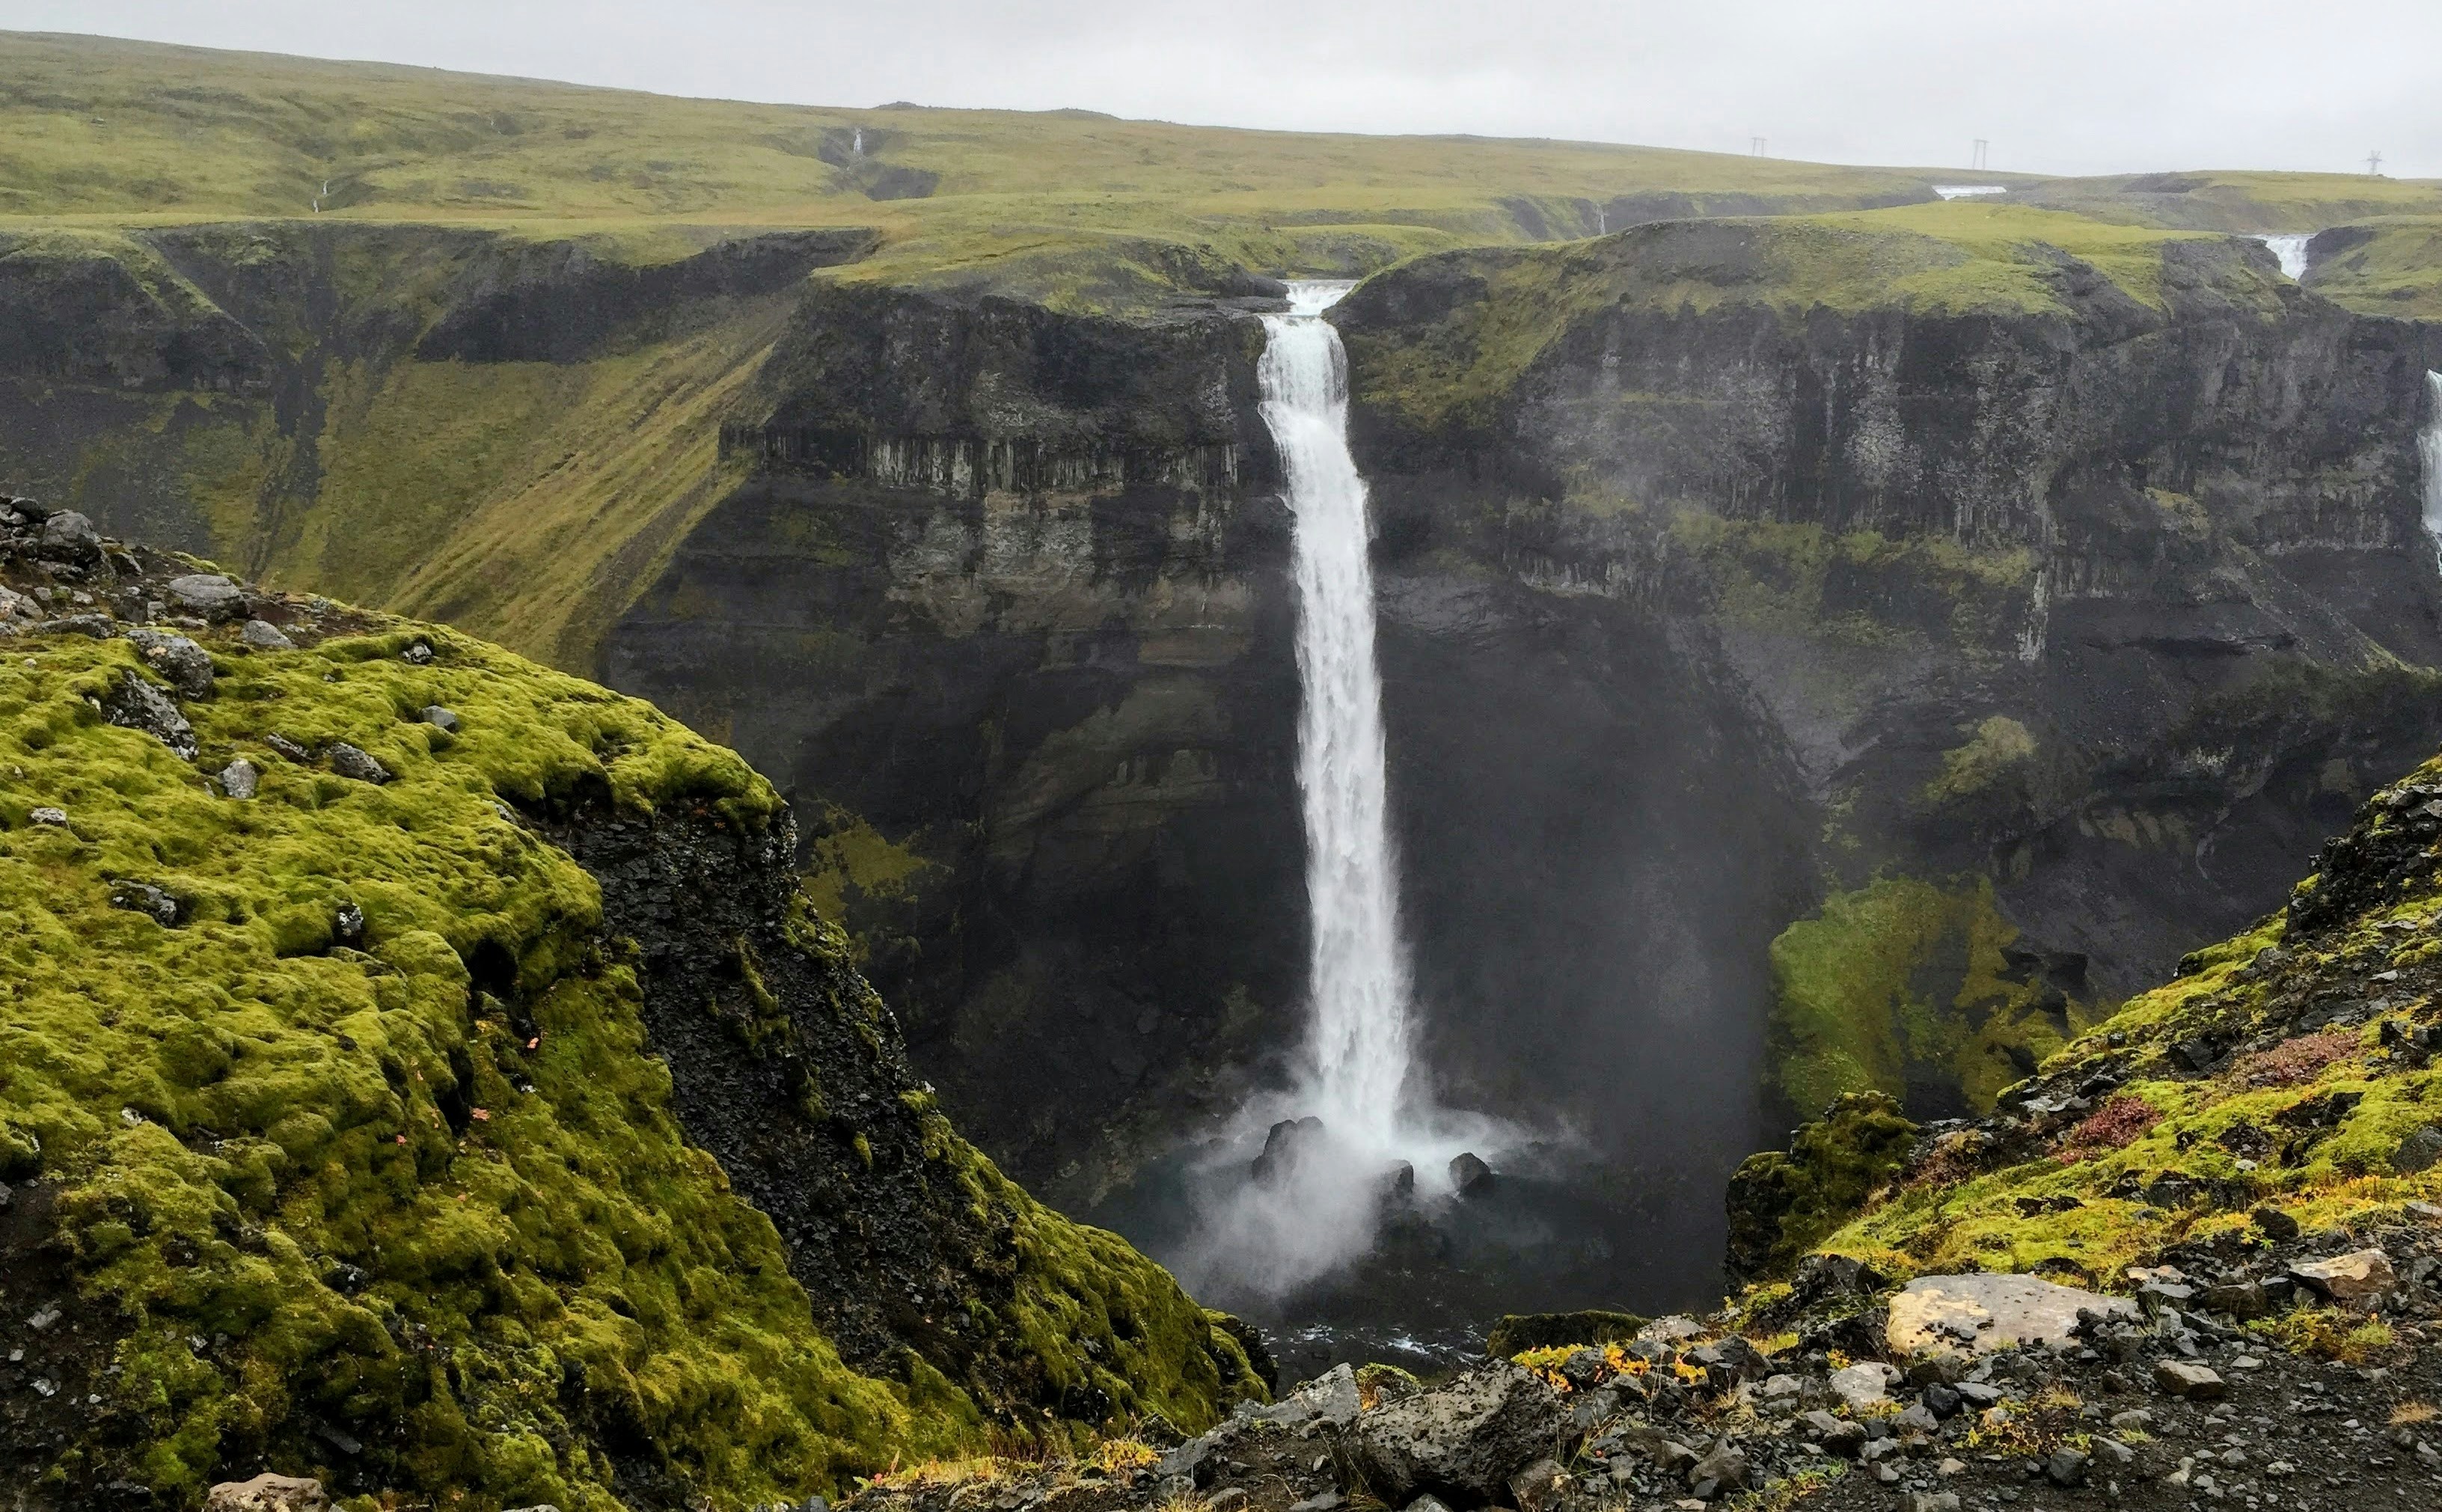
(2112, 1126)
(2292, 1062)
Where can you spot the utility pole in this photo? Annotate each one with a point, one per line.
(1754, 146)
(1981, 146)
(2374, 164)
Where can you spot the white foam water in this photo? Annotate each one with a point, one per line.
(1969, 190)
(1360, 1039)
(2429, 449)
(2290, 248)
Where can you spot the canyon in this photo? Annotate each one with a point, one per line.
(1851, 645)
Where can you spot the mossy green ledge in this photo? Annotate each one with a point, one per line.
(347, 1138)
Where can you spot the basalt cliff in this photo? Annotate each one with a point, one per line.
(1859, 649)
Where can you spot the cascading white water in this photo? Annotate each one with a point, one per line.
(2429, 449)
(2292, 249)
(1359, 1042)
(1317, 1205)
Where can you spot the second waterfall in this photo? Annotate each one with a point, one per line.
(1360, 1039)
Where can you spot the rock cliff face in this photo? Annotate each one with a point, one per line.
(1840, 688)
(1839, 652)
(2069, 610)
(1005, 596)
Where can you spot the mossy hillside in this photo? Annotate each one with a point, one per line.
(1903, 986)
(1783, 1203)
(2286, 1069)
(1494, 312)
(2240, 201)
(2381, 268)
(529, 501)
(549, 1266)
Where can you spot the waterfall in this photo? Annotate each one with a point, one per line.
(1364, 1135)
(2429, 448)
(1358, 1039)
(2292, 249)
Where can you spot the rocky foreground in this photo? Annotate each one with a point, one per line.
(1955, 1392)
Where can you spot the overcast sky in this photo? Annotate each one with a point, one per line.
(2055, 85)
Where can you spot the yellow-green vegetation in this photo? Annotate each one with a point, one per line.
(1901, 987)
(2384, 268)
(2217, 1116)
(1781, 1202)
(1776, 576)
(1999, 747)
(1507, 306)
(115, 129)
(2240, 200)
(315, 1173)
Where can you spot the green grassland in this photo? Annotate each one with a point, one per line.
(237, 1108)
(1962, 257)
(2384, 268)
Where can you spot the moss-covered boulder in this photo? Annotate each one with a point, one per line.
(1783, 1203)
(353, 1132)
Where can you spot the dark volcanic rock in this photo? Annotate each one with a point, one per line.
(1462, 1441)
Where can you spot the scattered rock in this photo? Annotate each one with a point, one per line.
(287, 747)
(1469, 1176)
(1838, 1435)
(348, 925)
(1724, 1469)
(2418, 1152)
(268, 1493)
(1864, 1384)
(1539, 1486)
(446, 720)
(420, 654)
(53, 818)
(355, 764)
(2359, 1275)
(240, 778)
(2065, 1467)
(2182, 1378)
(1981, 1313)
(1463, 1441)
(146, 899)
(1285, 1146)
(136, 704)
(2278, 1226)
(264, 636)
(70, 536)
(208, 594)
(17, 609)
(1934, 1501)
(92, 626)
(186, 666)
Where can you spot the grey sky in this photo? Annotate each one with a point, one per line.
(2062, 86)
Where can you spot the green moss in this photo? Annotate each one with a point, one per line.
(2000, 746)
(1901, 987)
(1783, 1203)
(1518, 1332)
(549, 1261)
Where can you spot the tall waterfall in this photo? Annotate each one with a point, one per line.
(1359, 1040)
(2429, 447)
(1365, 1133)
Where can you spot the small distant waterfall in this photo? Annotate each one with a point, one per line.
(2429, 448)
(2291, 250)
(857, 146)
(1359, 1038)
